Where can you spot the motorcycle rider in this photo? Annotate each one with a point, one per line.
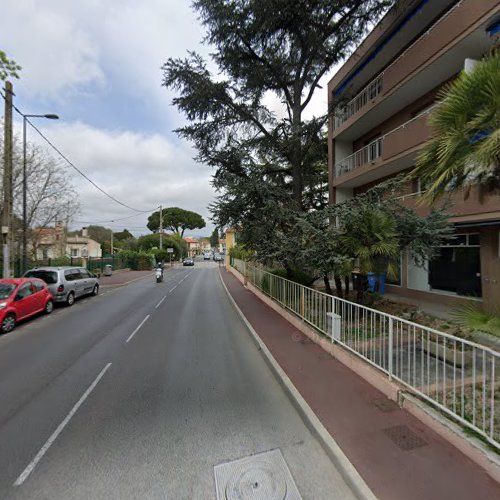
(159, 267)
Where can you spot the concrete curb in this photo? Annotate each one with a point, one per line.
(334, 452)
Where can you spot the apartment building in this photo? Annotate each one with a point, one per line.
(380, 101)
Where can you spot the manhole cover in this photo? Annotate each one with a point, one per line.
(259, 477)
(404, 437)
(386, 405)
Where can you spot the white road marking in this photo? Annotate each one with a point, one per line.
(29, 469)
(172, 289)
(137, 329)
(159, 303)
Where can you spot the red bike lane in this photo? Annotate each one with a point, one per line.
(370, 429)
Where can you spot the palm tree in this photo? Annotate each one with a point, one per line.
(465, 149)
(370, 237)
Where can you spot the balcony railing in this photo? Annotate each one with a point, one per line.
(414, 128)
(372, 90)
(361, 157)
(393, 72)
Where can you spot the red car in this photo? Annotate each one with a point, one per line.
(21, 298)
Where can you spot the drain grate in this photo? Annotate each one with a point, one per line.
(386, 405)
(404, 437)
(264, 476)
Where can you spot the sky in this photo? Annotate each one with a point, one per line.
(97, 64)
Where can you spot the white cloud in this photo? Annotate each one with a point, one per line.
(143, 171)
(66, 48)
(57, 53)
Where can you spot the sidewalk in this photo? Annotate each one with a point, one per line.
(122, 278)
(367, 426)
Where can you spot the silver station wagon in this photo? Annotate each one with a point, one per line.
(66, 283)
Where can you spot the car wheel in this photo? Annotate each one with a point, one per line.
(8, 323)
(49, 307)
(70, 299)
(95, 291)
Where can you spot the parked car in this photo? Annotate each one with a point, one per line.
(188, 261)
(21, 298)
(66, 283)
(218, 257)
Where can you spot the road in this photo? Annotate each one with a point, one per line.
(139, 393)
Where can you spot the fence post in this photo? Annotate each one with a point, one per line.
(390, 347)
(283, 292)
(302, 302)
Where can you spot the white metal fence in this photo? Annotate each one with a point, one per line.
(459, 377)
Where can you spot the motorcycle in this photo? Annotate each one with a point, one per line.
(159, 275)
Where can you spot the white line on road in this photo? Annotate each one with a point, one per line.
(137, 329)
(159, 303)
(172, 289)
(29, 469)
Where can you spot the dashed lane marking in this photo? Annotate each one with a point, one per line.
(137, 329)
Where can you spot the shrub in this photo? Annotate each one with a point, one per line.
(137, 261)
(474, 317)
(241, 252)
(295, 275)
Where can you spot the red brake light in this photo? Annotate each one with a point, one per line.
(60, 288)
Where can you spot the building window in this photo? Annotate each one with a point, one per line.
(456, 269)
(45, 253)
(74, 252)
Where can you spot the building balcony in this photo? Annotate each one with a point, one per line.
(462, 209)
(386, 155)
(433, 58)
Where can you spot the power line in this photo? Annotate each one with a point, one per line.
(109, 220)
(85, 175)
(71, 164)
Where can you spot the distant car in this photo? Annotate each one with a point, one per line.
(207, 255)
(66, 283)
(218, 257)
(21, 298)
(188, 261)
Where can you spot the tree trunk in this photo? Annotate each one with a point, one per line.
(296, 159)
(363, 282)
(346, 282)
(328, 288)
(338, 286)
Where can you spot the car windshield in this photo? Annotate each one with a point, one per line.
(50, 277)
(6, 290)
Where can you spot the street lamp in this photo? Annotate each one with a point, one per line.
(50, 116)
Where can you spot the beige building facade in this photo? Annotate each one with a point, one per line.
(53, 242)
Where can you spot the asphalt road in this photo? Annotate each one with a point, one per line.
(139, 393)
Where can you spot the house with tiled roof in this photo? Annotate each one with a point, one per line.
(193, 246)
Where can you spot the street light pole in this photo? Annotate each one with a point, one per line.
(25, 218)
(25, 189)
(161, 228)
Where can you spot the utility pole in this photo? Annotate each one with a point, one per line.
(112, 249)
(7, 182)
(161, 228)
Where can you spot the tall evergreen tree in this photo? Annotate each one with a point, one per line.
(265, 50)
